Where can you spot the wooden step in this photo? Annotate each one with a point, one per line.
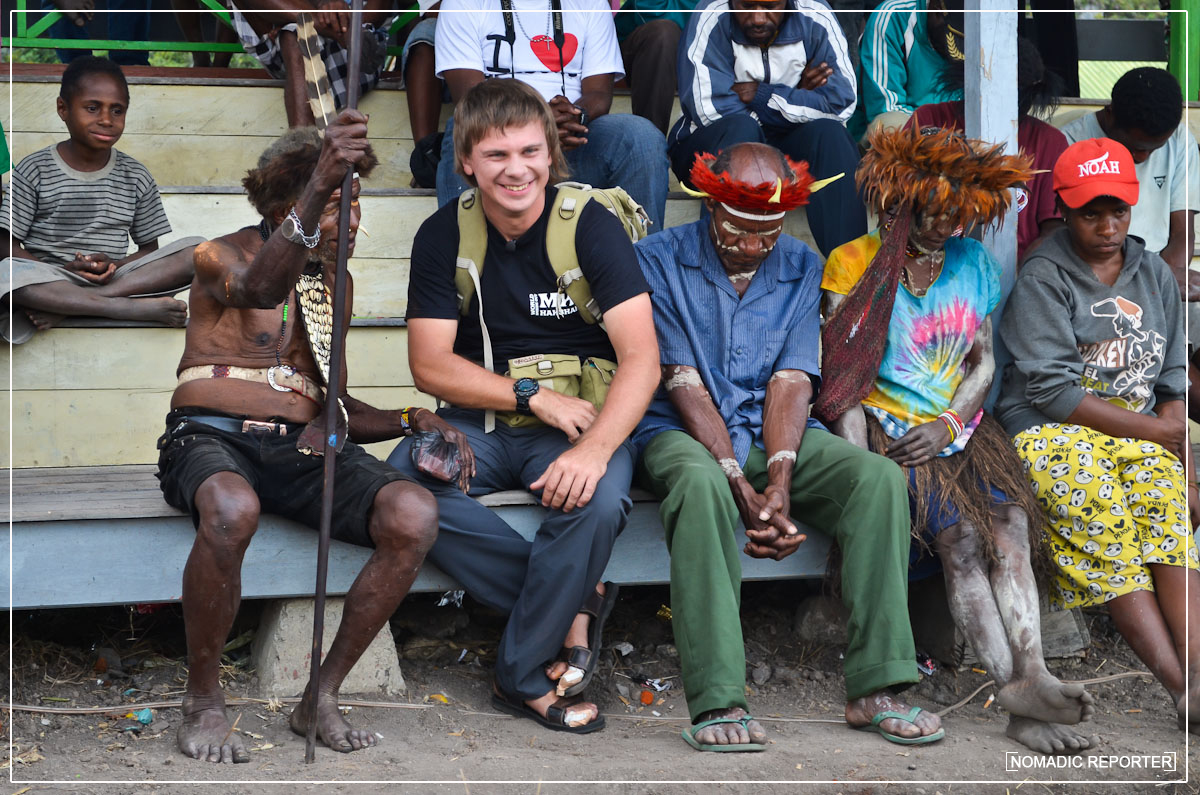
(391, 220)
(209, 131)
(211, 134)
(98, 396)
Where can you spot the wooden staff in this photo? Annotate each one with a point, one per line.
(334, 388)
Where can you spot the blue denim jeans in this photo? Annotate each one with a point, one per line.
(623, 150)
(539, 583)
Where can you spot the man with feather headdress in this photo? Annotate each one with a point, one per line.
(729, 437)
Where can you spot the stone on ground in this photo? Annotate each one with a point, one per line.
(282, 652)
(821, 619)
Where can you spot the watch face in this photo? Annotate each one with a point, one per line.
(288, 229)
(525, 387)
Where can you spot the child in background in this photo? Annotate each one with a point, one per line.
(75, 205)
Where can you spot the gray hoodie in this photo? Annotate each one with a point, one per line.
(1071, 335)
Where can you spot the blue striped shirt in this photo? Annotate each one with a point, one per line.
(735, 344)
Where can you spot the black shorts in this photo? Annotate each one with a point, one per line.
(288, 483)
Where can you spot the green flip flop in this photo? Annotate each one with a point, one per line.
(909, 716)
(689, 732)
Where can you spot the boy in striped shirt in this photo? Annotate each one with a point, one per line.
(71, 210)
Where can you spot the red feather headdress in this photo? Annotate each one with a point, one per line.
(766, 197)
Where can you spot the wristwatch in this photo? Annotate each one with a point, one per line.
(524, 389)
(293, 232)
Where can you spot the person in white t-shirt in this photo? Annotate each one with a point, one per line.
(481, 39)
(1145, 114)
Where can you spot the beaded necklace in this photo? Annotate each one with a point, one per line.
(264, 231)
(316, 310)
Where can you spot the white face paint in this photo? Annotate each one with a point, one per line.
(683, 377)
(737, 230)
(725, 239)
(782, 455)
(731, 468)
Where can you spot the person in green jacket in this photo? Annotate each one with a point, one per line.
(905, 47)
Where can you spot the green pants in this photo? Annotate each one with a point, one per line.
(857, 497)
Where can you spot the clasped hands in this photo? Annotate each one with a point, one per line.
(571, 133)
(97, 268)
(766, 517)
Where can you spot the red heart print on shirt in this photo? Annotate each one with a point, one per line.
(543, 47)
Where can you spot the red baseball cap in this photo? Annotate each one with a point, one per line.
(1095, 167)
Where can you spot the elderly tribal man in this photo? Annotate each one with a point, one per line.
(245, 431)
(729, 437)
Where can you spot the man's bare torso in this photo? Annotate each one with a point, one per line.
(223, 335)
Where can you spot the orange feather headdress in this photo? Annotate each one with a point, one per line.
(768, 198)
(940, 173)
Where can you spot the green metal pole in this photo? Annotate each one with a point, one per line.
(1184, 49)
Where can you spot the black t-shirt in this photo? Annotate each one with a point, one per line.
(519, 286)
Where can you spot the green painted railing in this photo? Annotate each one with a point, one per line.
(31, 34)
(1187, 16)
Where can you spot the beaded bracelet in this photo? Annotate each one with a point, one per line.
(953, 423)
(406, 415)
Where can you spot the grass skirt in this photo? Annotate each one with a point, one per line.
(963, 480)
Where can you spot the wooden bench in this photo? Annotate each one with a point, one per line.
(104, 535)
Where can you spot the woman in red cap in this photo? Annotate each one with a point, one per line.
(1094, 400)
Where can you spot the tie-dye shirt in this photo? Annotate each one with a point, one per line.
(929, 336)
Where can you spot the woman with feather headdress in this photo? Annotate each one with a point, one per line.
(907, 357)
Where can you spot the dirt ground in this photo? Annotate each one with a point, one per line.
(445, 730)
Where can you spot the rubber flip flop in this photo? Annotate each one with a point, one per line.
(910, 716)
(555, 715)
(576, 654)
(690, 731)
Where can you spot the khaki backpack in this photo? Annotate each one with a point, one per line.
(560, 248)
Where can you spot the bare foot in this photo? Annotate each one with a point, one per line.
(560, 671)
(332, 728)
(578, 714)
(1046, 738)
(43, 320)
(1188, 708)
(206, 733)
(166, 310)
(860, 711)
(1046, 699)
(729, 733)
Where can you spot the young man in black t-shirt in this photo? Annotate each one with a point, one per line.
(577, 459)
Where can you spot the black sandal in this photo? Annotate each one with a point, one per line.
(599, 607)
(555, 717)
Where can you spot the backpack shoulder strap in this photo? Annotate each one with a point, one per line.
(472, 247)
(560, 247)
